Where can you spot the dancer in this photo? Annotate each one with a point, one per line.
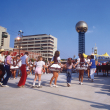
(55, 68)
(38, 71)
(24, 60)
(92, 67)
(69, 65)
(34, 65)
(2, 68)
(13, 71)
(19, 65)
(7, 68)
(81, 67)
(31, 67)
(88, 67)
(44, 69)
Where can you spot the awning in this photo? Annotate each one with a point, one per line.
(85, 56)
(106, 55)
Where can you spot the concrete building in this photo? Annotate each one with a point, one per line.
(44, 44)
(4, 39)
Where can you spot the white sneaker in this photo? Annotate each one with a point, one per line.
(1, 83)
(81, 83)
(40, 86)
(55, 85)
(5, 86)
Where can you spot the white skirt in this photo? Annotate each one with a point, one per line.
(83, 67)
(14, 67)
(55, 67)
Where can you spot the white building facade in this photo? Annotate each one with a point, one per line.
(4, 39)
(42, 43)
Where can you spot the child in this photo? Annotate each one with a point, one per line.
(69, 66)
(38, 71)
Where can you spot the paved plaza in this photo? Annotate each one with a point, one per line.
(89, 96)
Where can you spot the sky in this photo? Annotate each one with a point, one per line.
(58, 18)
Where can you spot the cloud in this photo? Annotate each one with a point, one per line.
(90, 31)
(94, 27)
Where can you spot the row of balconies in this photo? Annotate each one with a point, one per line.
(35, 40)
(36, 49)
(32, 43)
(33, 47)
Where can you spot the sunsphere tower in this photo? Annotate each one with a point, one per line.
(81, 28)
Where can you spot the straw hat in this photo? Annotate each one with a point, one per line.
(2, 50)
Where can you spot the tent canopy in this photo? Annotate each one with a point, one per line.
(85, 56)
(106, 55)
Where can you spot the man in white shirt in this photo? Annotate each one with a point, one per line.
(23, 78)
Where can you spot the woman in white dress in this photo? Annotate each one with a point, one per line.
(81, 67)
(55, 67)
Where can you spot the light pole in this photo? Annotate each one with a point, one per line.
(18, 39)
(92, 50)
(20, 33)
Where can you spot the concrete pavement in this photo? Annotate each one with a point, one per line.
(89, 96)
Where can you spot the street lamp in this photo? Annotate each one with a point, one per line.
(20, 33)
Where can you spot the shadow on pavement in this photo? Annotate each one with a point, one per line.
(94, 104)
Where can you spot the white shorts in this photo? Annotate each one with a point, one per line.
(38, 70)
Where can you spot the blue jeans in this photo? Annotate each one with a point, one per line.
(7, 68)
(69, 71)
(17, 72)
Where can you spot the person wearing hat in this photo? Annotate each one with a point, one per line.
(2, 68)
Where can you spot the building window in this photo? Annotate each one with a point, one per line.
(37, 41)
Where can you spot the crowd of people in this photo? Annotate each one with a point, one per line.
(20, 66)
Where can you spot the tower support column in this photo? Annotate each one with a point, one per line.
(81, 42)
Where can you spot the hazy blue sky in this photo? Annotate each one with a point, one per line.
(58, 18)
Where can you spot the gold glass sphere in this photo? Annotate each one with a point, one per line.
(81, 26)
